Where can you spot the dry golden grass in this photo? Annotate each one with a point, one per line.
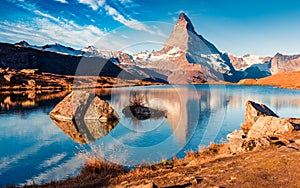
(212, 166)
(247, 82)
(284, 80)
(289, 80)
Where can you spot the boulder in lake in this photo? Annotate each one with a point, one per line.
(83, 105)
(84, 117)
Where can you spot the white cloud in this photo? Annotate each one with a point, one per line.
(62, 1)
(43, 30)
(46, 28)
(94, 4)
(124, 36)
(39, 13)
(25, 5)
(132, 23)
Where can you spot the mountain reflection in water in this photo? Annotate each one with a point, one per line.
(19, 100)
(33, 148)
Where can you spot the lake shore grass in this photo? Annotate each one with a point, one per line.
(213, 166)
(287, 80)
(272, 166)
(252, 158)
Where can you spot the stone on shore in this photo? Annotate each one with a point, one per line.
(262, 127)
(270, 126)
(253, 112)
(236, 140)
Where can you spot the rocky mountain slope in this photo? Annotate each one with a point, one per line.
(186, 57)
(20, 57)
(284, 63)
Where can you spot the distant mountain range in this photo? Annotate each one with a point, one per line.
(186, 57)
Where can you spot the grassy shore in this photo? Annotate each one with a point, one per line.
(28, 80)
(214, 166)
(290, 80)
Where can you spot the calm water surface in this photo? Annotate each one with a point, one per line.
(33, 148)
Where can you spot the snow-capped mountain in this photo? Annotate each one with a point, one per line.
(23, 43)
(246, 61)
(251, 66)
(18, 57)
(92, 51)
(284, 63)
(57, 48)
(186, 57)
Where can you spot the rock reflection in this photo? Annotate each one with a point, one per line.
(84, 131)
(84, 117)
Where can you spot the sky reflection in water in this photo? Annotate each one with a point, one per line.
(34, 148)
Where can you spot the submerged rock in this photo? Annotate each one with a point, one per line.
(143, 112)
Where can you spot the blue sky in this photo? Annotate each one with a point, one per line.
(261, 27)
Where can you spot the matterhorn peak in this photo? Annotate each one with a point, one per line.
(185, 22)
(185, 38)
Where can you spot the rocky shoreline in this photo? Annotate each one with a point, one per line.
(34, 80)
(263, 153)
(265, 139)
(263, 128)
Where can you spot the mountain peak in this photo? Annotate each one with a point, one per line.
(185, 22)
(185, 38)
(22, 43)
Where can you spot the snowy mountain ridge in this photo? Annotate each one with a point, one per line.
(186, 57)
